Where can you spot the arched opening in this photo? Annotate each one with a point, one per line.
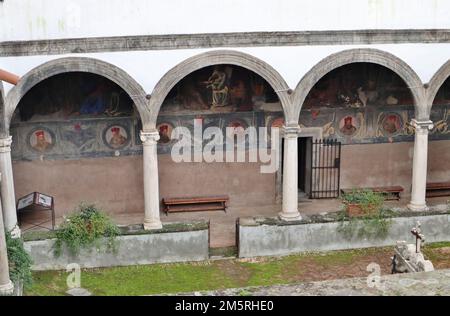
(218, 96)
(74, 138)
(438, 172)
(367, 108)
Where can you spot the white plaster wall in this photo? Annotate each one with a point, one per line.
(44, 19)
(147, 67)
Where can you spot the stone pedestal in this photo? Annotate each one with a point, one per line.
(6, 286)
(7, 188)
(406, 259)
(151, 180)
(290, 175)
(419, 172)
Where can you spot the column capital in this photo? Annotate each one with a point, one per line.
(291, 131)
(5, 144)
(149, 138)
(422, 125)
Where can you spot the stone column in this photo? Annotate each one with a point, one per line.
(6, 286)
(7, 188)
(151, 180)
(419, 172)
(289, 210)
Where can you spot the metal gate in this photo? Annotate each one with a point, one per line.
(325, 169)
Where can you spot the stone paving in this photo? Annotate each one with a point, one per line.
(435, 283)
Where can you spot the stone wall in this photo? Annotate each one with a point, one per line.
(263, 238)
(156, 247)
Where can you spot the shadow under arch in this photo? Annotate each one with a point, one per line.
(365, 55)
(73, 64)
(217, 57)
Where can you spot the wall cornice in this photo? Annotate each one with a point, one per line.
(217, 40)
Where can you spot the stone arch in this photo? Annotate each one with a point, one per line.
(173, 76)
(366, 55)
(73, 64)
(436, 83)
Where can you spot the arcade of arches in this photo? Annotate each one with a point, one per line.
(78, 136)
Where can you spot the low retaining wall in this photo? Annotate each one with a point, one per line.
(269, 236)
(188, 242)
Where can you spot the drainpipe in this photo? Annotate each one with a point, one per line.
(8, 77)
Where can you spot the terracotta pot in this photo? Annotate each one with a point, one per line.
(355, 210)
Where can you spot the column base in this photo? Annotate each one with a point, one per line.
(7, 289)
(290, 216)
(149, 225)
(417, 207)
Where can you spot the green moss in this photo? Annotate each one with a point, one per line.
(38, 235)
(213, 275)
(223, 251)
(127, 230)
(435, 245)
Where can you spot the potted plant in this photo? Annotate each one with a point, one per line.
(362, 202)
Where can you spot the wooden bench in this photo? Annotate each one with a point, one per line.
(389, 192)
(435, 189)
(195, 204)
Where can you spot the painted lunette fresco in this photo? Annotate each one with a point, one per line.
(93, 117)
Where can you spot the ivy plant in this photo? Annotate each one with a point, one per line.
(372, 226)
(19, 261)
(86, 227)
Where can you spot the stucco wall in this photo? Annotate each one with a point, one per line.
(116, 183)
(377, 165)
(438, 161)
(29, 19)
(113, 183)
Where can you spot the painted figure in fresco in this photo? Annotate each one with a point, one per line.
(348, 128)
(117, 140)
(164, 136)
(41, 142)
(189, 97)
(240, 97)
(391, 124)
(218, 84)
(95, 102)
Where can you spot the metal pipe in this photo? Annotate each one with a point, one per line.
(9, 77)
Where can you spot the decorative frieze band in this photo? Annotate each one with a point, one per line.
(208, 40)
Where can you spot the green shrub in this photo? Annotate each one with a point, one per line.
(19, 261)
(86, 228)
(369, 200)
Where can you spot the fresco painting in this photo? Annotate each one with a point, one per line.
(348, 125)
(357, 86)
(221, 89)
(41, 140)
(116, 136)
(165, 132)
(73, 95)
(391, 124)
(93, 117)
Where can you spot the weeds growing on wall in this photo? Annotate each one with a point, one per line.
(19, 261)
(372, 226)
(86, 228)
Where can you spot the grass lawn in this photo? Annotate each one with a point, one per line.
(229, 273)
